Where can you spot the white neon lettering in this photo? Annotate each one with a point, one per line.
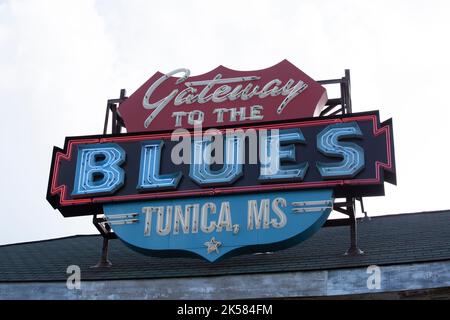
(244, 90)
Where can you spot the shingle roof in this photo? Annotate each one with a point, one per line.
(393, 239)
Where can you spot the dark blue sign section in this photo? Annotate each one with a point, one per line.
(213, 228)
(351, 154)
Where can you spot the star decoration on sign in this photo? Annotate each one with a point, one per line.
(213, 245)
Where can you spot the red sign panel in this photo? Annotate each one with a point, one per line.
(222, 97)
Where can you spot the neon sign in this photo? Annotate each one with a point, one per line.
(252, 170)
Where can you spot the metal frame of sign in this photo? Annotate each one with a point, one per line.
(335, 106)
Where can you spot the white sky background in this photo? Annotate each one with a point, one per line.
(61, 60)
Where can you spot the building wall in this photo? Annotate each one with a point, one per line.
(362, 282)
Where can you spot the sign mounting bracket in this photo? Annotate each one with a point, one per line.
(335, 106)
(111, 107)
(100, 222)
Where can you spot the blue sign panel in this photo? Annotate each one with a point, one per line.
(222, 225)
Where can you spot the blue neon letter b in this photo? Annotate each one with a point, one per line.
(98, 169)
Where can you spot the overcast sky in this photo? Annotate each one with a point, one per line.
(61, 60)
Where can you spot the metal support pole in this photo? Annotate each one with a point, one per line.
(111, 106)
(101, 223)
(104, 262)
(114, 126)
(105, 231)
(343, 105)
(348, 91)
(353, 250)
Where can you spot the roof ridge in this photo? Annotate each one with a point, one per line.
(51, 239)
(406, 214)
